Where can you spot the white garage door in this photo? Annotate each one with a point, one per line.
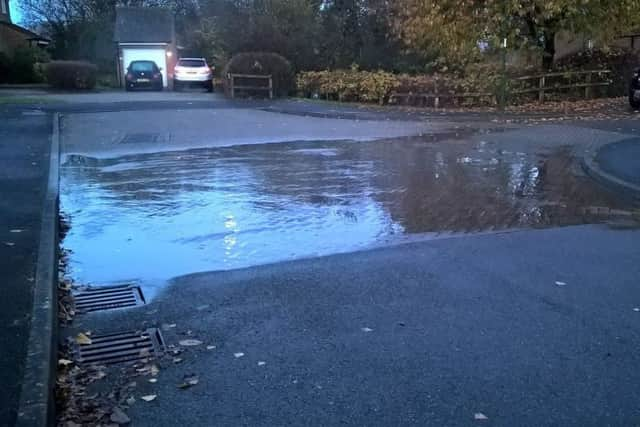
(156, 55)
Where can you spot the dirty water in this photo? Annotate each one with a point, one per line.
(151, 217)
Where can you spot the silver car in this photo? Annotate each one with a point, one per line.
(192, 72)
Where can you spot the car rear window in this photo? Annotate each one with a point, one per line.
(195, 63)
(144, 66)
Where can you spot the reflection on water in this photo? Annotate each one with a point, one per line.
(155, 216)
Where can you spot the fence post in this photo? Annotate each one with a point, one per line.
(270, 87)
(233, 90)
(587, 89)
(541, 85)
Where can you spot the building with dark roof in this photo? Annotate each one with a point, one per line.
(145, 33)
(13, 36)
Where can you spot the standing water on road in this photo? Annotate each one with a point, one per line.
(155, 216)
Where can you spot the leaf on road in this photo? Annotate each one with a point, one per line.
(367, 330)
(119, 417)
(64, 362)
(153, 380)
(189, 342)
(560, 283)
(131, 400)
(149, 397)
(261, 363)
(177, 360)
(480, 416)
(636, 309)
(211, 347)
(83, 339)
(188, 381)
(238, 355)
(16, 230)
(9, 244)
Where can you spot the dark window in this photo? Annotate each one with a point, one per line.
(194, 63)
(143, 66)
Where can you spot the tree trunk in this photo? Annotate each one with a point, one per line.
(549, 49)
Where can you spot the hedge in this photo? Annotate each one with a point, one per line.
(72, 75)
(263, 63)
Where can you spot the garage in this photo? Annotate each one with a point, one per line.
(156, 54)
(145, 34)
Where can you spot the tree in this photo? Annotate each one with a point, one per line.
(456, 28)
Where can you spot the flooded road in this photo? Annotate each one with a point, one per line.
(150, 217)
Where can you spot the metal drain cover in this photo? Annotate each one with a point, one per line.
(121, 347)
(108, 298)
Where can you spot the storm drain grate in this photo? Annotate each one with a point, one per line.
(108, 298)
(121, 347)
(140, 138)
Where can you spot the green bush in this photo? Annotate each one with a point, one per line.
(263, 63)
(72, 75)
(5, 68)
(348, 85)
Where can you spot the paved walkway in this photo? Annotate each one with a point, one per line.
(24, 151)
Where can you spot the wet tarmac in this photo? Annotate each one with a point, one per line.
(151, 217)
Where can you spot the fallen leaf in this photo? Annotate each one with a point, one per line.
(561, 283)
(367, 330)
(16, 230)
(238, 355)
(131, 400)
(64, 362)
(480, 416)
(261, 363)
(83, 339)
(189, 342)
(119, 417)
(153, 380)
(636, 309)
(149, 397)
(188, 381)
(168, 326)
(211, 347)
(177, 360)
(9, 244)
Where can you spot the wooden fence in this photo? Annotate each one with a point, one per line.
(541, 85)
(234, 86)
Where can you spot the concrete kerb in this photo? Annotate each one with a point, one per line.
(613, 183)
(36, 407)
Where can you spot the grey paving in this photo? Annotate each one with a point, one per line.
(24, 152)
(622, 160)
(429, 333)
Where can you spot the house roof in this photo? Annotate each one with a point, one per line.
(144, 25)
(30, 34)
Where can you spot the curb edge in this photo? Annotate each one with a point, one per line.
(36, 407)
(611, 182)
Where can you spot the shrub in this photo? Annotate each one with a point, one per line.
(348, 85)
(72, 75)
(263, 63)
(5, 68)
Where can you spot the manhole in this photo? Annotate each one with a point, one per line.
(108, 298)
(121, 347)
(140, 138)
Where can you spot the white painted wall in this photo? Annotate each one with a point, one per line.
(155, 54)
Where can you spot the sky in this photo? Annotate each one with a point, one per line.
(16, 16)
